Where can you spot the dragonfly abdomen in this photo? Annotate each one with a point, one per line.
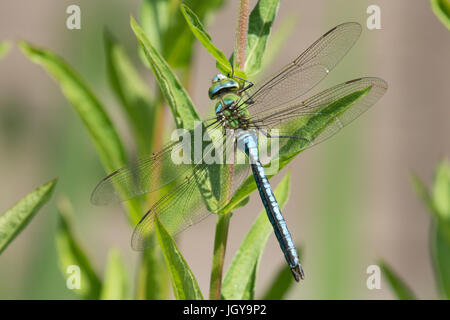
(272, 208)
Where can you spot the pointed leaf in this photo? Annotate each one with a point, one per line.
(115, 282)
(430, 204)
(101, 130)
(176, 96)
(277, 41)
(400, 288)
(239, 279)
(441, 191)
(205, 39)
(132, 92)
(441, 238)
(154, 17)
(73, 261)
(441, 9)
(280, 285)
(153, 278)
(13, 221)
(282, 282)
(259, 27)
(423, 193)
(95, 119)
(249, 292)
(185, 286)
(179, 40)
(440, 251)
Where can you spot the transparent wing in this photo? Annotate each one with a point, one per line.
(207, 188)
(147, 174)
(321, 116)
(302, 74)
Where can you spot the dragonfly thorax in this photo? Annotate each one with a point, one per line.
(229, 114)
(225, 90)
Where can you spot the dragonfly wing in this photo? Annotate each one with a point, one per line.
(324, 114)
(171, 209)
(306, 71)
(151, 173)
(145, 175)
(206, 188)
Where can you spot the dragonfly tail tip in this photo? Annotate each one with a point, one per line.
(298, 273)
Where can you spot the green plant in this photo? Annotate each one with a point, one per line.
(13, 221)
(441, 9)
(166, 44)
(437, 202)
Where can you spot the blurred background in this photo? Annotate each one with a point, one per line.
(351, 203)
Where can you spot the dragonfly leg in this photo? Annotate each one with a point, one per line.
(249, 83)
(248, 86)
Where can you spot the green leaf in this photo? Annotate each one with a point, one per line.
(13, 221)
(73, 261)
(441, 238)
(259, 27)
(440, 251)
(95, 119)
(423, 193)
(249, 292)
(438, 204)
(178, 39)
(310, 128)
(220, 244)
(205, 39)
(154, 17)
(240, 277)
(5, 46)
(153, 277)
(176, 96)
(441, 9)
(132, 92)
(281, 284)
(164, 25)
(441, 191)
(278, 40)
(429, 199)
(115, 282)
(101, 130)
(400, 288)
(185, 286)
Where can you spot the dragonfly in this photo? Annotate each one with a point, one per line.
(246, 113)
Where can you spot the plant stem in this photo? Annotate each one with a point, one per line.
(223, 221)
(220, 244)
(241, 32)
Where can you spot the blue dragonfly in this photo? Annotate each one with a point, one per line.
(246, 114)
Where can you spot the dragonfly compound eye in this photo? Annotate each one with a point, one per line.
(218, 77)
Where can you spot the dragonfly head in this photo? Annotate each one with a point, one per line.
(218, 77)
(221, 85)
